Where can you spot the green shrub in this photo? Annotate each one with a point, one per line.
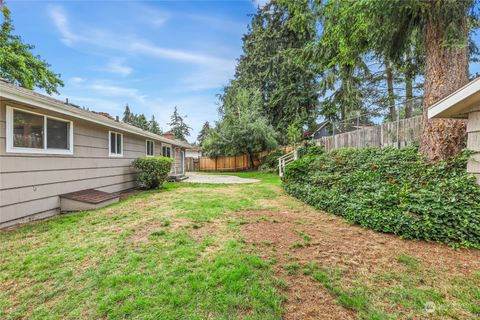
(152, 171)
(270, 162)
(309, 148)
(392, 190)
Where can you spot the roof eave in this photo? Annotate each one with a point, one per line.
(457, 104)
(38, 101)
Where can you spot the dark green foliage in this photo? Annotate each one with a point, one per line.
(17, 62)
(153, 171)
(140, 121)
(268, 63)
(394, 191)
(242, 129)
(270, 162)
(178, 127)
(203, 134)
(309, 148)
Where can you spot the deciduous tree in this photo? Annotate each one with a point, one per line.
(242, 128)
(17, 62)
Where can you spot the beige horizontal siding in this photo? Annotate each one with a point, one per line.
(36, 178)
(473, 123)
(25, 209)
(473, 141)
(16, 195)
(118, 187)
(31, 163)
(473, 165)
(47, 206)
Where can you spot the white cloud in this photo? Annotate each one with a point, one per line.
(130, 43)
(117, 66)
(139, 46)
(105, 88)
(61, 22)
(77, 80)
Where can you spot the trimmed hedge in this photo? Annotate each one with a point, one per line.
(393, 191)
(152, 171)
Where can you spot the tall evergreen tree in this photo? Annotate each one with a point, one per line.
(268, 64)
(153, 126)
(128, 115)
(141, 122)
(203, 133)
(17, 62)
(178, 127)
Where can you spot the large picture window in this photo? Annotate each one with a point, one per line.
(149, 145)
(115, 144)
(30, 132)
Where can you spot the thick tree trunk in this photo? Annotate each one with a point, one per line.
(391, 94)
(446, 69)
(408, 86)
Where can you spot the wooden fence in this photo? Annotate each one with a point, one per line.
(227, 163)
(396, 133)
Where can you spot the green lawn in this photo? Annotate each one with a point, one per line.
(185, 252)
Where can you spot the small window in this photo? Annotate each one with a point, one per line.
(29, 132)
(166, 151)
(116, 144)
(149, 147)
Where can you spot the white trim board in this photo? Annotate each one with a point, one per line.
(452, 105)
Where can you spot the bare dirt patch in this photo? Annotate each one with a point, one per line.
(306, 235)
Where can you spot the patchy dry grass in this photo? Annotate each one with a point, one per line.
(196, 251)
(365, 274)
(170, 254)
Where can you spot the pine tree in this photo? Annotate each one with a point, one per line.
(203, 133)
(178, 126)
(127, 115)
(153, 126)
(141, 122)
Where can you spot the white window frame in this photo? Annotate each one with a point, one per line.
(117, 155)
(153, 148)
(10, 148)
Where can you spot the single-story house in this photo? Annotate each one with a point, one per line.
(49, 148)
(464, 104)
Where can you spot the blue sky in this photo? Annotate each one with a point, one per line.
(152, 55)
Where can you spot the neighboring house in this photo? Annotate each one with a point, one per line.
(322, 130)
(194, 152)
(49, 148)
(464, 104)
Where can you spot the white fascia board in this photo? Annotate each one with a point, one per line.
(453, 99)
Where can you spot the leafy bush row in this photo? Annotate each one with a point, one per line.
(392, 190)
(152, 171)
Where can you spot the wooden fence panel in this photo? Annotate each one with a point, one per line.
(396, 134)
(233, 163)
